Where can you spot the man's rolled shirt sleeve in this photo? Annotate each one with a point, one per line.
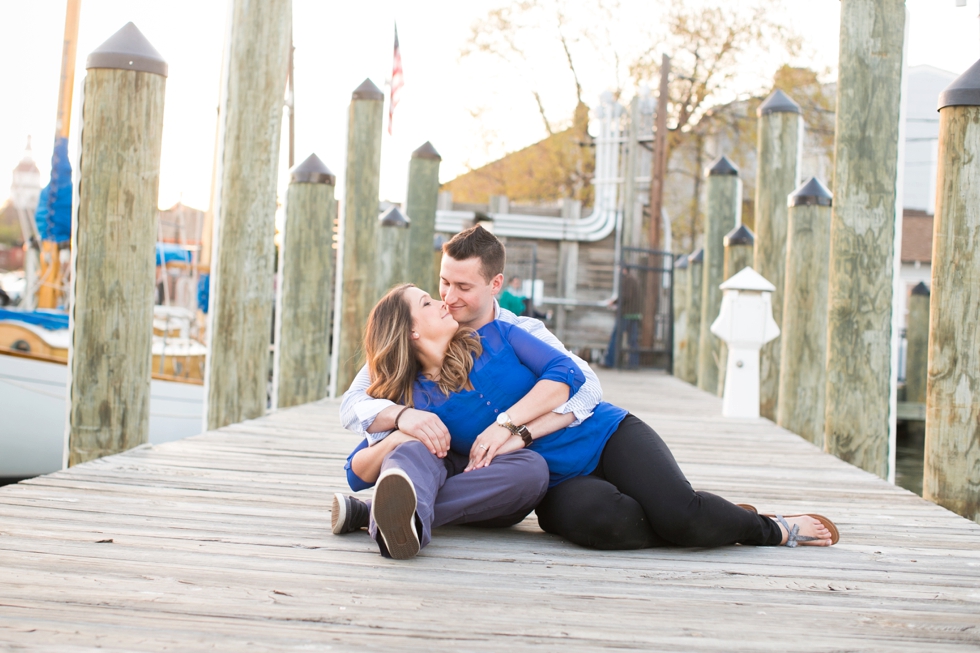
(358, 409)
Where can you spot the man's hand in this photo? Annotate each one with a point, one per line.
(492, 441)
(427, 428)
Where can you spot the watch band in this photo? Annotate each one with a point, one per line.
(523, 433)
(510, 427)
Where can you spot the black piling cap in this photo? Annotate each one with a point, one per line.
(680, 262)
(367, 91)
(697, 256)
(722, 166)
(426, 151)
(778, 102)
(964, 91)
(740, 235)
(393, 218)
(921, 289)
(312, 171)
(810, 193)
(128, 49)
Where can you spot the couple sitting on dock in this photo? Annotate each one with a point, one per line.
(472, 415)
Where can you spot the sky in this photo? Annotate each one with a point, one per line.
(471, 109)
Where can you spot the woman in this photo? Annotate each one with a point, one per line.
(484, 384)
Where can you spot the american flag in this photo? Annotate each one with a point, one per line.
(397, 81)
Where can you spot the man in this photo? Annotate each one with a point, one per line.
(470, 276)
(630, 315)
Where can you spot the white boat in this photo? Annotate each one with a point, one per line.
(34, 382)
(33, 412)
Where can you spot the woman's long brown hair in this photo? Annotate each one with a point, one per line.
(391, 356)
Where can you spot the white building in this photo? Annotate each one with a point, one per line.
(925, 83)
(17, 212)
(25, 186)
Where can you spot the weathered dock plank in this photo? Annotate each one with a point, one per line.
(222, 542)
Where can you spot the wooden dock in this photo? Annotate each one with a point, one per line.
(222, 542)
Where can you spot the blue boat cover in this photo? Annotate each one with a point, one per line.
(53, 215)
(46, 319)
(169, 252)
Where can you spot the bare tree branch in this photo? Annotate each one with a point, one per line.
(568, 55)
(544, 117)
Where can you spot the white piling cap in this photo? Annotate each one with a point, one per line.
(748, 279)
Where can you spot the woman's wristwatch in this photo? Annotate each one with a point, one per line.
(503, 419)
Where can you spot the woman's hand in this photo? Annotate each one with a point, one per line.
(490, 443)
(422, 425)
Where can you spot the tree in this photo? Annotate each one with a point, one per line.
(713, 45)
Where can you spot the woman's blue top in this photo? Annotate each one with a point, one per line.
(511, 363)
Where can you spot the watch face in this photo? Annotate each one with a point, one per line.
(503, 418)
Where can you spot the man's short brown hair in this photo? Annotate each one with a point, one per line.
(477, 241)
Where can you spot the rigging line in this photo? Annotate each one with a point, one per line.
(24, 386)
(37, 381)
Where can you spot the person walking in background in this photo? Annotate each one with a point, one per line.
(628, 322)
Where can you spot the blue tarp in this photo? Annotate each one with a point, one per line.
(169, 252)
(50, 320)
(53, 215)
(203, 291)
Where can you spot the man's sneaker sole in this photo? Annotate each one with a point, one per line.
(338, 514)
(393, 510)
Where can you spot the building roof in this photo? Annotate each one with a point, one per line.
(27, 160)
(916, 236)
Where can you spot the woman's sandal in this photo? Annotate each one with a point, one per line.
(794, 532)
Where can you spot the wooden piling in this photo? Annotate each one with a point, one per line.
(952, 451)
(359, 230)
(678, 290)
(723, 211)
(420, 208)
(394, 241)
(695, 278)
(780, 148)
(113, 249)
(803, 373)
(301, 366)
(917, 353)
(861, 335)
(739, 245)
(236, 375)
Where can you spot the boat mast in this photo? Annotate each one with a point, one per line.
(49, 291)
(68, 68)
(291, 106)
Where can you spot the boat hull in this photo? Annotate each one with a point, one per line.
(33, 414)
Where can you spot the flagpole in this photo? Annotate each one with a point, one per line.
(397, 82)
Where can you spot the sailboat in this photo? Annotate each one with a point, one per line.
(34, 336)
